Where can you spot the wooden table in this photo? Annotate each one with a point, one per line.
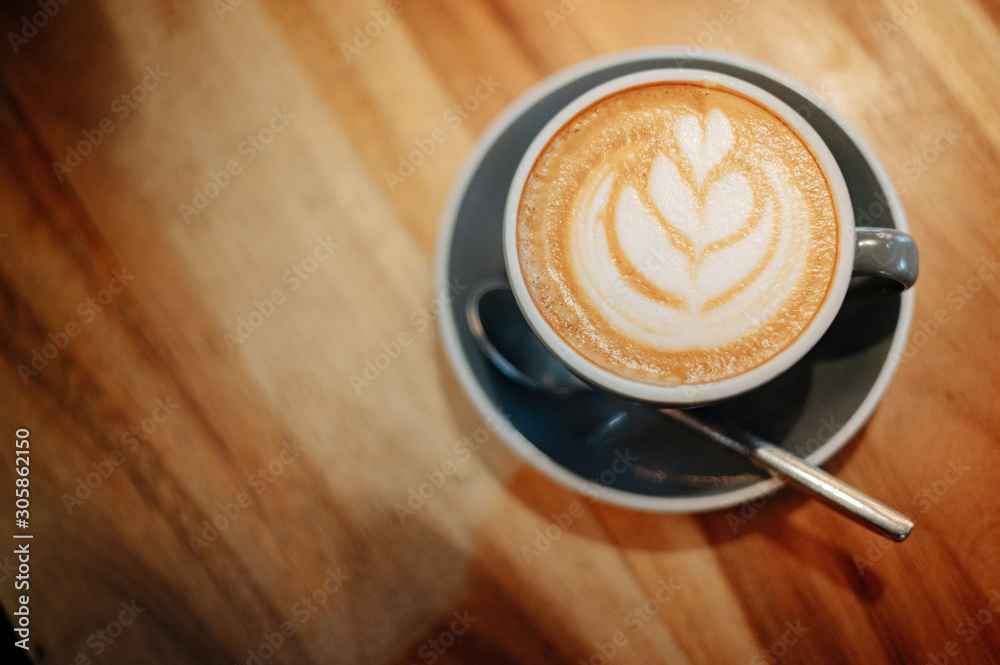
(208, 232)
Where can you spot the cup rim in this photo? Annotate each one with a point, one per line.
(700, 393)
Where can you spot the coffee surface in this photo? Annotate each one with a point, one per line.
(677, 233)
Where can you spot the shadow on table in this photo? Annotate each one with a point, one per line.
(450, 602)
(89, 91)
(746, 531)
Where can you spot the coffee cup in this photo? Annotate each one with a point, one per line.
(681, 236)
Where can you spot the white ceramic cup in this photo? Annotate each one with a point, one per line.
(883, 252)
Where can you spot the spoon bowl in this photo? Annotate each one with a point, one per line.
(507, 340)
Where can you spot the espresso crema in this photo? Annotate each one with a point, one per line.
(677, 233)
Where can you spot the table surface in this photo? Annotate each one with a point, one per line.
(201, 251)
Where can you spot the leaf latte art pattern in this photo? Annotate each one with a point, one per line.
(681, 239)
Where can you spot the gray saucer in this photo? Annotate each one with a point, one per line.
(628, 454)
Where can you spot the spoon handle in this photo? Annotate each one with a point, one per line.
(839, 495)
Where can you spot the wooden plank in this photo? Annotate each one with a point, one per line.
(217, 215)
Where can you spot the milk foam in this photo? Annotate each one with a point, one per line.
(692, 254)
(725, 266)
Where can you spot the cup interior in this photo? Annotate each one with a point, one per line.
(666, 394)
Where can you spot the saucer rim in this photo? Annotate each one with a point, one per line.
(491, 412)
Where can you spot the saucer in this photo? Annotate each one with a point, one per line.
(628, 454)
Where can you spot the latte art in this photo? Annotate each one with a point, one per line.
(677, 233)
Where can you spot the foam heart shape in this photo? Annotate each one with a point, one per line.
(695, 243)
(704, 148)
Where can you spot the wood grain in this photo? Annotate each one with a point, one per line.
(230, 480)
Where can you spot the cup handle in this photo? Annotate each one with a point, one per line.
(885, 253)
